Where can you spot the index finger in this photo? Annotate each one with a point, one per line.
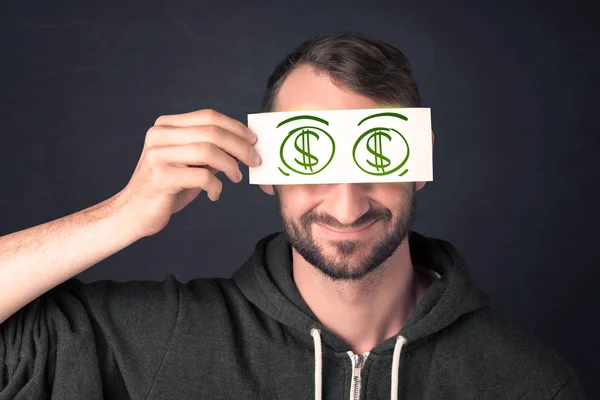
(208, 117)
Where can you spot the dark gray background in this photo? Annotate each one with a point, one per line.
(512, 89)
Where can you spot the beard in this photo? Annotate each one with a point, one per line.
(350, 260)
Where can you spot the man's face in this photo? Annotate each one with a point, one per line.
(344, 230)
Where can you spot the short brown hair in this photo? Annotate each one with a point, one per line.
(361, 63)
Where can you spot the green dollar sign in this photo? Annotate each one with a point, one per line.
(308, 160)
(381, 161)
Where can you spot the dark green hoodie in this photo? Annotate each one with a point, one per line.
(253, 337)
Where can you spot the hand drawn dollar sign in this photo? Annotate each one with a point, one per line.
(308, 160)
(308, 144)
(374, 146)
(370, 144)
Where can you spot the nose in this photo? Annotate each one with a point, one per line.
(347, 202)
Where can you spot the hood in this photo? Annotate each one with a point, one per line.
(266, 281)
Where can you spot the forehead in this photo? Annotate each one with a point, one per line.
(307, 89)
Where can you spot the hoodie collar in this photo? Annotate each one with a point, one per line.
(266, 281)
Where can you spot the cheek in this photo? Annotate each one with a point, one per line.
(298, 200)
(396, 198)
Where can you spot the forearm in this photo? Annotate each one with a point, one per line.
(35, 260)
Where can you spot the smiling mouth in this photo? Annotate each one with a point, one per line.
(352, 230)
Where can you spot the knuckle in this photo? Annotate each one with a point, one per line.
(211, 132)
(157, 174)
(160, 120)
(152, 156)
(205, 176)
(202, 151)
(209, 114)
(152, 133)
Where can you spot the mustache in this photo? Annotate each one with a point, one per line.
(370, 216)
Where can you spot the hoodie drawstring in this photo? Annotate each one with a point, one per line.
(400, 340)
(316, 334)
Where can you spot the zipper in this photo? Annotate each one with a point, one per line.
(358, 361)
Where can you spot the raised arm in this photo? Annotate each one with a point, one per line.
(180, 157)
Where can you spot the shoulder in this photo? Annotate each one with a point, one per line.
(119, 292)
(136, 302)
(498, 333)
(505, 351)
(151, 294)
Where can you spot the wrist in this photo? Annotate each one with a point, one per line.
(118, 219)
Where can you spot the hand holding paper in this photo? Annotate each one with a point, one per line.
(343, 146)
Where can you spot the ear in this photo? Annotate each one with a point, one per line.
(421, 184)
(268, 189)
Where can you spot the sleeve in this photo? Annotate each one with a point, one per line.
(570, 390)
(89, 341)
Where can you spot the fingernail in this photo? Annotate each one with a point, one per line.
(257, 159)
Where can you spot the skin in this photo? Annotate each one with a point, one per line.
(361, 285)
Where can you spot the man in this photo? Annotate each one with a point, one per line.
(347, 303)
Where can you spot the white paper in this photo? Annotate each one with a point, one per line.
(343, 146)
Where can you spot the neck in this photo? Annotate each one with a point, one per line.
(363, 313)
